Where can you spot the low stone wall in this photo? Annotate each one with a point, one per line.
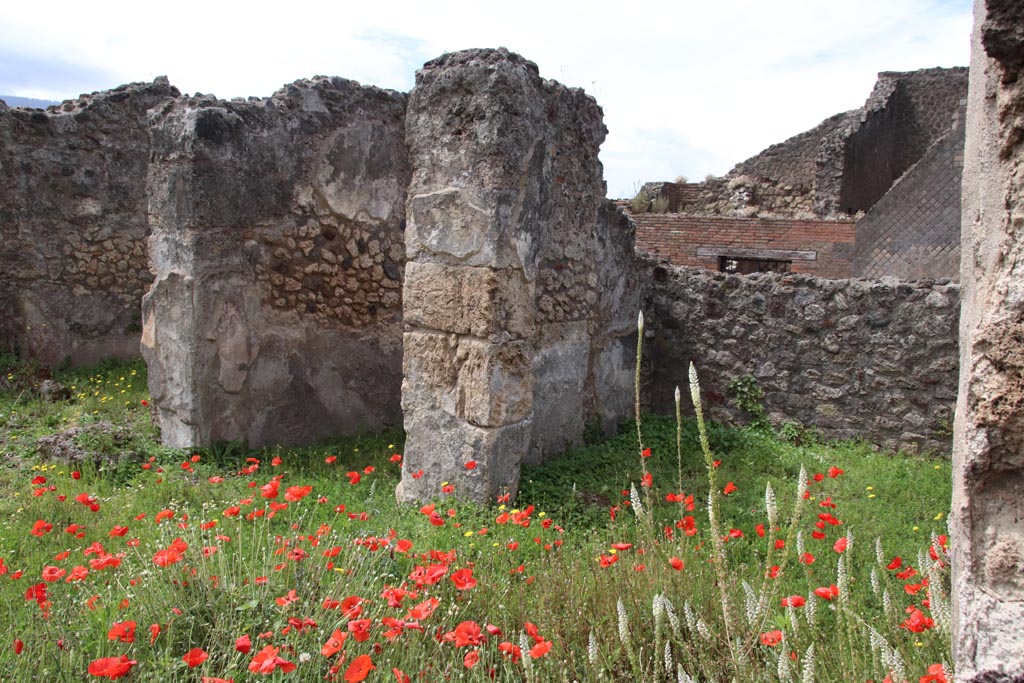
(816, 247)
(854, 359)
(277, 249)
(73, 224)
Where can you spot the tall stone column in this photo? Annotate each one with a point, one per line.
(987, 522)
(502, 294)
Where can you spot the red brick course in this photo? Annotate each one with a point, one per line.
(826, 246)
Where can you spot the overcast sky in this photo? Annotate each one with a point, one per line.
(688, 88)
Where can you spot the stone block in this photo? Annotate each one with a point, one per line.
(483, 302)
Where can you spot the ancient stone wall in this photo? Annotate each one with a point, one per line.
(843, 165)
(277, 248)
(913, 231)
(780, 180)
(519, 286)
(73, 224)
(987, 520)
(903, 117)
(854, 359)
(816, 247)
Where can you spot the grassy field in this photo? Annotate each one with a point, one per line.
(122, 559)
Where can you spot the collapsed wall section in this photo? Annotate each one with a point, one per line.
(853, 359)
(277, 251)
(987, 519)
(520, 283)
(73, 225)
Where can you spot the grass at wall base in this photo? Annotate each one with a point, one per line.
(130, 561)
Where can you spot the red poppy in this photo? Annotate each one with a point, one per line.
(729, 488)
(215, 679)
(794, 601)
(123, 631)
(676, 563)
(195, 657)
(771, 638)
(288, 599)
(510, 651)
(334, 643)
(540, 649)
(244, 644)
(266, 661)
(41, 527)
(936, 674)
(917, 622)
(827, 592)
(297, 493)
(360, 629)
(646, 452)
(463, 579)
(359, 669)
(840, 545)
(111, 667)
(19, 645)
(895, 563)
(468, 633)
(471, 658)
(471, 465)
(352, 607)
(51, 573)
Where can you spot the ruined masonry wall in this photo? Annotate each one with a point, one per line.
(914, 230)
(73, 225)
(519, 284)
(853, 359)
(987, 518)
(277, 248)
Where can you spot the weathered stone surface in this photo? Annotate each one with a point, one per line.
(854, 359)
(482, 302)
(987, 521)
(513, 255)
(73, 224)
(276, 247)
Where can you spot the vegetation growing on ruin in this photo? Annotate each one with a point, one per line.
(123, 558)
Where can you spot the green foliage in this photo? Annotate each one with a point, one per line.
(748, 396)
(798, 434)
(552, 578)
(641, 202)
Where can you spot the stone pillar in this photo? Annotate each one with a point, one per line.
(277, 247)
(502, 295)
(987, 522)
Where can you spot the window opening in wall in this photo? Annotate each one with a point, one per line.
(746, 266)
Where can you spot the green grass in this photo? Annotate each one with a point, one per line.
(544, 570)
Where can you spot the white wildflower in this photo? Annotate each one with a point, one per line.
(623, 623)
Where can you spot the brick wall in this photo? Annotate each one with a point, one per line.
(816, 247)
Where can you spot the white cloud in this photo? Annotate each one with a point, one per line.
(687, 88)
